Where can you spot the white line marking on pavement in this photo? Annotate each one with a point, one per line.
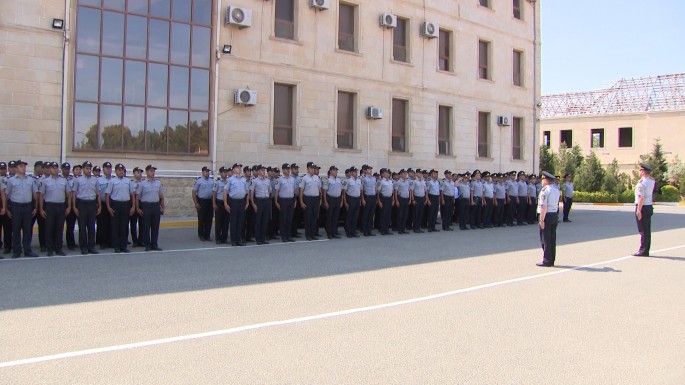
(188, 337)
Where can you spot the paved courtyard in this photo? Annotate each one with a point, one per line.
(464, 307)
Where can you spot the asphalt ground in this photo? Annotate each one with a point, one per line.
(463, 307)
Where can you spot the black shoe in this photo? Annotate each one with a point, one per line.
(148, 248)
(116, 250)
(8, 251)
(259, 243)
(61, 253)
(84, 251)
(336, 236)
(234, 244)
(51, 254)
(43, 249)
(249, 240)
(419, 231)
(639, 254)
(568, 220)
(1, 257)
(156, 248)
(30, 254)
(315, 238)
(202, 239)
(125, 250)
(93, 251)
(137, 245)
(209, 239)
(15, 256)
(448, 229)
(71, 248)
(542, 264)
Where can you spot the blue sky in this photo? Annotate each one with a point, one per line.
(589, 44)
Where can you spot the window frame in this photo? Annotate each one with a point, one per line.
(405, 129)
(355, 27)
(295, 34)
(600, 132)
(546, 138)
(517, 122)
(449, 121)
(487, 4)
(488, 65)
(562, 133)
(518, 7)
(353, 118)
(487, 123)
(518, 78)
(449, 47)
(632, 137)
(407, 38)
(293, 87)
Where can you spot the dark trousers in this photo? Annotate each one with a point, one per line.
(499, 212)
(71, 227)
(417, 218)
(237, 219)
(103, 235)
(119, 223)
(433, 211)
(311, 215)
(248, 228)
(6, 225)
(205, 214)
(333, 215)
(54, 225)
(476, 212)
(368, 213)
(532, 211)
(134, 223)
(152, 215)
(644, 227)
(568, 202)
(548, 238)
(274, 222)
(21, 223)
(521, 210)
(221, 225)
(86, 224)
(285, 217)
(298, 214)
(386, 214)
(487, 212)
(262, 216)
(41, 229)
(511, 211)
(352, 215)
(464, 204)
(446, 212)
(402, 214)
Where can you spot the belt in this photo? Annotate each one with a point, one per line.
(334, 197)
(21, 204)
(116, 201)
(150, 203)
(56, 203)
(85, 200)
(236, 199)
(262, 198)
(311, 196)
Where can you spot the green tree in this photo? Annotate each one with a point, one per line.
(547, 159)
(614, 180)
(568, 160)
(657, 161)
(590, 175)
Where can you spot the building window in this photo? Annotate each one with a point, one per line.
(444, 130)
(484, 3)
(399, 125)
(546, 136)
(517, 138)
(566, 138)
(400, 41)
(346, 119)
(142, 76)
(483, 134)
(517, 9)
(483, 59)
(445, 50)
(285, 19)
(597, 138)
(347, 27)
(284, 107)
(625, 137)
(518, 67)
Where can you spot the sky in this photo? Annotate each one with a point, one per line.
(590, 44)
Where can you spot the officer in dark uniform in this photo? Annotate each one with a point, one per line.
(447, 193)
(644, 200)
(86, 204)
(5, 222)
(103, 233)
(369, 197)
(352, 191)
(386, 200)
(38, 176)
(150, 204)
(310, 192)
(332, 201)
(284, 198)
(500, 200)
(220, 213)
(55, 204)
(235, 203)
(402, 198)
(249, 226)
(203, 190)
(298, 213)
(260, 197)
(22, 191)
(548, 208)
(120, 200)
(70, 218)
(135, 220)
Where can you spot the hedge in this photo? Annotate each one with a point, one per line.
(669, 194)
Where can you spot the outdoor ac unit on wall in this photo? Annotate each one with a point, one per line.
(503, 120)
(374, 113)
(242, 17)
(430, 30)
(320, 4)
(245, 97)
(388, 20)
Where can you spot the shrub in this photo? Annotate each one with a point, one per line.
(668, 194)
(595, 197)
(627, 196)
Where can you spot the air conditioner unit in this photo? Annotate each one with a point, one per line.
(241, 17)
(374, 113)
(503, 120)
(430, 30)
(245, 97)
(388, 20)
(320, 4)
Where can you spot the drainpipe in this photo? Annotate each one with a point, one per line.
(65, 77)
(536, 98)
(215, 113)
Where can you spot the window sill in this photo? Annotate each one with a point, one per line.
(445, 156)
(518, 160)
(521, 87)
(284, 147)
(353, 53)
(348, 150)
(285, 40)
(485, 159)
(397, 153)
(450, 72)
(404, 63)
(486, 81)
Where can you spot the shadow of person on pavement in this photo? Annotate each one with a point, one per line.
(605, 269)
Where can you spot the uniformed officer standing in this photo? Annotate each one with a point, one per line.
(369, 198)
(523, 199)
(447, 196)
(386, 199)
(103, 235)
(284, 197)
(419, 200)
(86, 205)
(310, 190)
(5, 223)
(512, 198)
(488, 199)
(120, 200)
(203, 189)
(403, 197)
(532, 199)
(235, 203)
(477, 200)
(332, 201)
(567, 190)
(55, 204)
(260, 193)
(464, 187)
(298, 214)
(22, 192)
(248, 235)
(352, 191)
(135, 220)
(644, 192)
(500, 200)
(70, 218)
(548, 207)
(220, 213)
(433, 187)
(150, 205)
(38, 176)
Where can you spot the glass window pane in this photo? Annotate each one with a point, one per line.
(180, 10)
(199, 133)
(137, 6)
(111, 82)
(346, 40)
(201, 42)
(134, 128)
(85, 126)
(159, 8)
(87, 71)
(157, 85)
(400, 51)
(159, 40)
(178, 131)
(88, 30)
(95, 3)
(155, 130)
(202, 12)
(199, 89)
(180, 43)
(178, 88)
(110, 127)
(134, 93)
(114, 4)
(285, 19)
(113, 33)
(136, 37)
